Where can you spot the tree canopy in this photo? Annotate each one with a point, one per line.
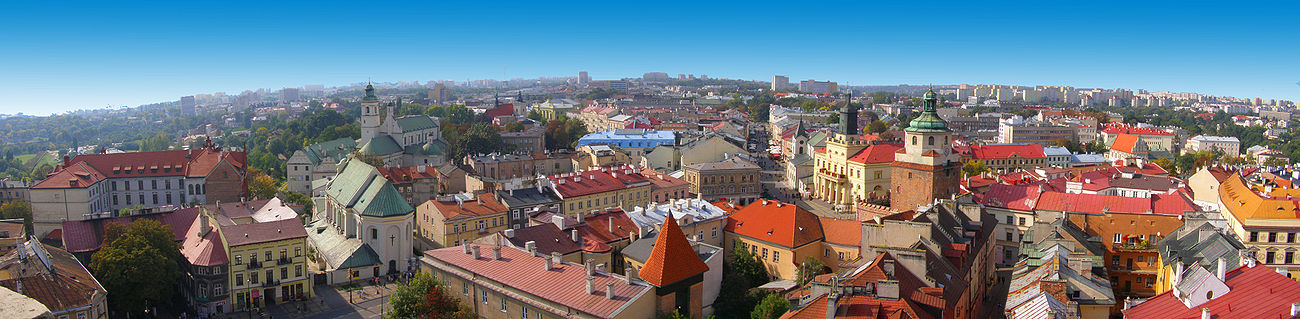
(139, 265)
(424, 297)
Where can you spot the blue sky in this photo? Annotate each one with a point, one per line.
(58, 57)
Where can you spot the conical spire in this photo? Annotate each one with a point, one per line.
(672, 258)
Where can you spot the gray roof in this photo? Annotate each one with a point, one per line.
(639, 250)
(339, 252)
(1199, 243)
(527, 197)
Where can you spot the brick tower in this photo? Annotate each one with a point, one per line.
(926, 168)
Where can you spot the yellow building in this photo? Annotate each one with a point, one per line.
(460, 219)
(782, 236)
(1268, 226)
(600, 189)
(268, 261)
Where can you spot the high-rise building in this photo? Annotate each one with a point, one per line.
(780, 82)
(814, 86)
(187, 105)
(928, 166)
(289, 95)
(438, 94)
(583, 78)
(654, 77)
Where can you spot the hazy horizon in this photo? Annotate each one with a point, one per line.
(89, 55)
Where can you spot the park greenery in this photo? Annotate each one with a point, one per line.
(741, 273)
(140, 264)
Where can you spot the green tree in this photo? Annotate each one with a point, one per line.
(832, 120)
(262, 186)
(741, 272)
(877, 126)
(974, 167)
(1276, 161)
(481, 138)
(1166, 163)
(809, 268)
(514, 126)
(141, 266)
(18, 209)
(771, 307)
(424, 297)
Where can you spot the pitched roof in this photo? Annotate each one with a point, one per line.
(671, 245)
(49, 275)
(1015, 197)
(913, 301)
(206, 250)
(876, 153)
(563, 284)
(1243, 203)
(330, 151)
(548, 238)
(360, 187)
(660, 180)
(338, 251)
(1114, 128)
(381, 145)
(731, 163)
(407, 174)
(1255, 292)
(1094, 203)
(842, 231)
(597, 227)
(484, 204)
(79, 175)
(263, 232)
(1127, 143)
(88, 235)
(586, 183)
(411, 123)
(776, 222)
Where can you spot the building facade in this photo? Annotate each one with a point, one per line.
(734, 179)
(927, 167)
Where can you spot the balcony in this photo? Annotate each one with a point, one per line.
(832, 175)
(254, 265)
(283, 261)
(1135, 246)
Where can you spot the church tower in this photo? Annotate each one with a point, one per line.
(370, 118)
(831, 180)
(926, 169)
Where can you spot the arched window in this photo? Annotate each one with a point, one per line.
(913, 140)
(930, 140)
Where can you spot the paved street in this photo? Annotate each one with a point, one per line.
(330, 302)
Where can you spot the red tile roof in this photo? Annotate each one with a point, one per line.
(596, 227)
(776, 222)
(89, 168)
(88, 235)
(407, 174)
(671, 245)
(77, 175)
(564, 284)
(1094, 203)
(203, 251)
(913, 301)
(592, 182)
(842, 231)
(875, 154)
(1032, 151)
(64, 285)
(1015, 197)
(1126, 143)
(485, 204)
(1255, 292)
(661, 180)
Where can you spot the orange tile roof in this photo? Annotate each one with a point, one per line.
(1243, 203)
(486, 204)
(671, 245)
(1126, 143)
(776, 222)
(842, 231)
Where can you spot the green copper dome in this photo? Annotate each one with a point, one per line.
(929, 121)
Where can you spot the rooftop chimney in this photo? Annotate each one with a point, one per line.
(531, 247)
(627, 277)
(887, 289)
(888, 268)
(574, 235)
(591, 266)
(510, 233)
(464, 249)
(496, 253)
(1223, 269)
(474, 249)
(1205, 313)
(548, 264)
(609, 290)
(831, 300)
(556, 257)
(558, 220)
(591, 285)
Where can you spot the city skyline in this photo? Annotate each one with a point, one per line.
(124, 56)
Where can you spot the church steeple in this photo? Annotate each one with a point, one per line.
(929, 121)
(849, 117)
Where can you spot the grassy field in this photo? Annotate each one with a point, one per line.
(36, 159)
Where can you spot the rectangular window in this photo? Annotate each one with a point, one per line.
(297, 270)
(715, 232)
(1010, 221)
(1289, 256)
(1022, 221)
(1272, 237)
(1290, 237)
(503, 303)
(464, 288)
(153, 184)
(1268, 257)
(1116, 240)
(523, 312)
(776, 256)
(1114, 261)
(239, 279)
(239, 259)
(1254, 236)
(764, 253)
(484, 294)
(252, 277)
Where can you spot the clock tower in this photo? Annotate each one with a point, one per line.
(925, 169)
